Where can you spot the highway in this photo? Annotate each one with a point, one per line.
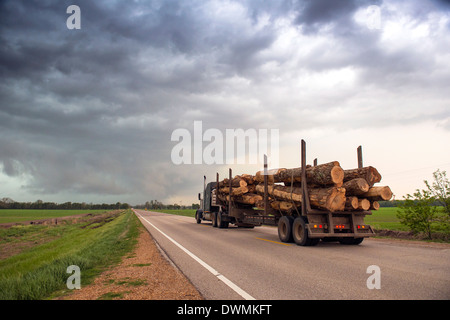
(239, 263)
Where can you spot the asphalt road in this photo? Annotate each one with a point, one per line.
(239, 263)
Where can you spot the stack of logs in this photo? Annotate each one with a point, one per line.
(329, 188)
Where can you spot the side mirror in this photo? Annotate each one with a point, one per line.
(199, 196)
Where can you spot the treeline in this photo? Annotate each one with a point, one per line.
(7, 203)
(156, 205)
(399, 203)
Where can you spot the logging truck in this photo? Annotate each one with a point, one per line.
(307, 204)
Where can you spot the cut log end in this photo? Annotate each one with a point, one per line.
(378, 193)
(363, 204)
(374, 205)
(336, 199)
(338, 203)
(356, 187)
(351, 203)
(337, 175)
(370, 174)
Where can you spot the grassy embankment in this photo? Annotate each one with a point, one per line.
(39, 269)
(19, 215)
(385, 219)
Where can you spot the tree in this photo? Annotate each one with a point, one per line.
(440, 189)
(421, 213)
(418, 213)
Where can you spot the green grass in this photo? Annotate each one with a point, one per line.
(185, 212)
(386, 219)
(111, 295)
(40, 271)
(142, 264)
(22, 234)
(17, 215)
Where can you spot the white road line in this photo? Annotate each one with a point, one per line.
(219, 276)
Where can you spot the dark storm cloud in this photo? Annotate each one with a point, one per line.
(315, 13)
(64, 95)
(91, 111)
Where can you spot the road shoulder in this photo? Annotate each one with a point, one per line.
(142, 275)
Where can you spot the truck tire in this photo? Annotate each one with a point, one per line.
(285, 228)
(214, 219)
(198, 216)
(220, 223)
(300, 233)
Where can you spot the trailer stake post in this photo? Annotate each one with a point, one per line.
(360, 159)
(229, 202)
(265, 186)
(217, 188)
(306, 207)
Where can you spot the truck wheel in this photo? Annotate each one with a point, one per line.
(198, 216)
(220, 222)
(285, 228)
(214, 219)
(300, 233)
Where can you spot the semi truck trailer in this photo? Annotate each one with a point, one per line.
(303, 224)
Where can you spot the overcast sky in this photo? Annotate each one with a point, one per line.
(88, 114)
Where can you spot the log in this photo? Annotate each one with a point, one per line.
(271, 174)
(356, 187)
(234, 191)
(281, 192)
(251, 188)
(374, 205)
(248, 178)
(247, 198)
(236, 182)
(332, 199)
(370, 174)
(281, 205)
(325, 174)
(259, 204)
(275, 204)
(322, 175)
(378, 194)
(363, 204)
(351, 203)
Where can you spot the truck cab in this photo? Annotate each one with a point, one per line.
(209, 205)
